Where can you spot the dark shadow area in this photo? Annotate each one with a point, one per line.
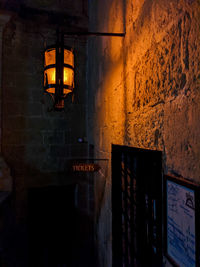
(58, 232)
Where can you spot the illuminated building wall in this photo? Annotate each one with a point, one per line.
(144, 89)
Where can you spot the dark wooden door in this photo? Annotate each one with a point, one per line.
(136, 207)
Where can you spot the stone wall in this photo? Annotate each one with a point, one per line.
(144, 88)
(37, 142)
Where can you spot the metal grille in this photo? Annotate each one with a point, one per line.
(136, 207)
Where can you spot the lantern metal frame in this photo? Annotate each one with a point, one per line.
(59, 66)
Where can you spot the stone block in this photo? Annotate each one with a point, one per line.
(33, 109)
(22, 137)
(28, 80)
(53, 137)
(22, 108)
(68, 137)
(14, 123)
(6, 181)
(59, 124)
(14, 152)
(62, 151)
(36, 95)
(38, 123)
(14, 108)
(79, 151)
(49, 165)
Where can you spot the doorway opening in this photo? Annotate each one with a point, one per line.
(136, 207)
(52, 225)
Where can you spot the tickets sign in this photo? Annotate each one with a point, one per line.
(85, 167)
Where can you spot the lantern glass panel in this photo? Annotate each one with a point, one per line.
(49, 76)
(66, 91)
(68, 57)
(50, 57)
(51, 90)
(68, 76)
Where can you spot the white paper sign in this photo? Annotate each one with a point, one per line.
(181, 224)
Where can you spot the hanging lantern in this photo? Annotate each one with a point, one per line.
(59, 72)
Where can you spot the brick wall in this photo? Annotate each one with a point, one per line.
(37, 143)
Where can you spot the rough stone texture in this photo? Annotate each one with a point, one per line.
(144, 88)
